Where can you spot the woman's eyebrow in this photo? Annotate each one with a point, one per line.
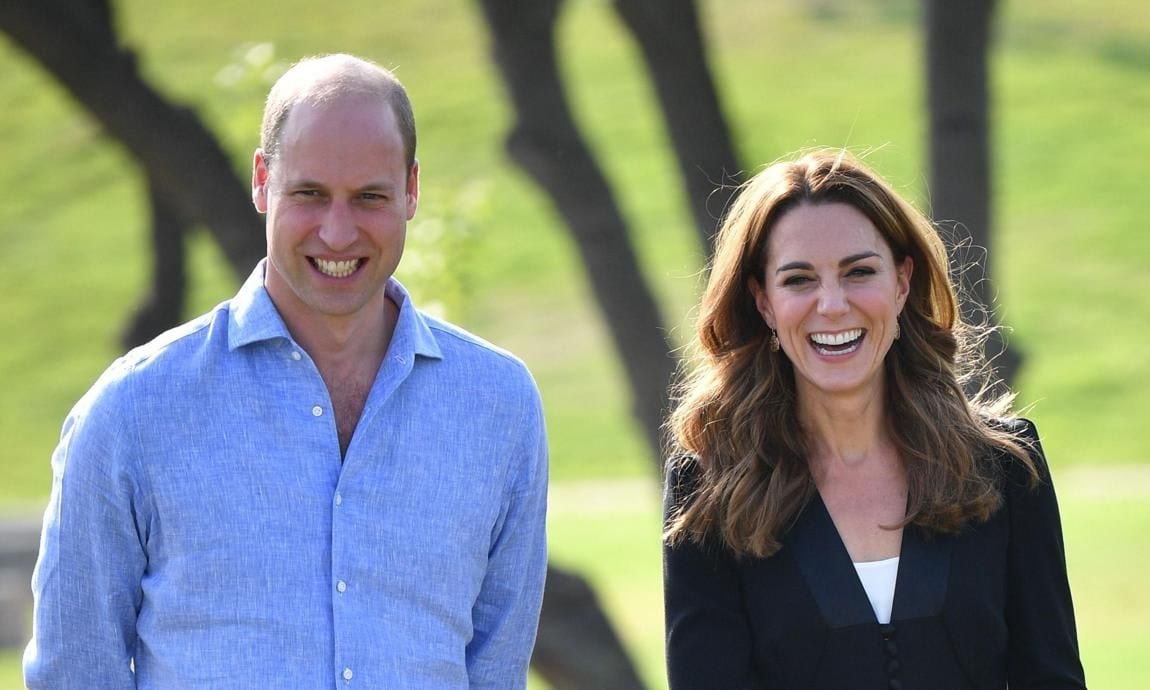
(845, 261)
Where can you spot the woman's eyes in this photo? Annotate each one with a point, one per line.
(859, 271)
(800, 280)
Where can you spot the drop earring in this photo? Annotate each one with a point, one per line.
(897, 329)
(773, 343)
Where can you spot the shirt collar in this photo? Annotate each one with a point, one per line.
(412, 333)
(253, 317)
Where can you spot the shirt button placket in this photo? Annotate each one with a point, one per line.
(347, 675)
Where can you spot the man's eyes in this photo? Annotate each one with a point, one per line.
(368, 198)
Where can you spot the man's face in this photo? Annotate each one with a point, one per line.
(337, 197)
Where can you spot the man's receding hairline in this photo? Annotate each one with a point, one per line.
(331, 77)
(326, 79)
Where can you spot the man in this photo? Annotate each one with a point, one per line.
(315, 484)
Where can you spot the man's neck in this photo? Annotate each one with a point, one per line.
(341, 345)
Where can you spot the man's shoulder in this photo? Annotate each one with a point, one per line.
(461, 343)
(150, 366)
(179, 352)
(175, 344)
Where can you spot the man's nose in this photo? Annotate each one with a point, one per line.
(339, 229)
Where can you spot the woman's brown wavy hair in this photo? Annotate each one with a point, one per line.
(735, 409)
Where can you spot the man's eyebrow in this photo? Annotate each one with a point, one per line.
(302, 182)
(806, 266)
(375, 186)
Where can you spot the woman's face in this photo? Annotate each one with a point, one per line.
(832, 291)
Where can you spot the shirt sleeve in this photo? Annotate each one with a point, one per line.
(506, 613)
(708, 638)
(87, 578)
(1040, 613)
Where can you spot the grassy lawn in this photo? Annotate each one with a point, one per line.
(1071, 86)
(10, 676)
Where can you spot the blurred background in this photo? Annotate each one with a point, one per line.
(1063, 210)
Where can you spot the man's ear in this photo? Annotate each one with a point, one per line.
(412, 196)
(762, 304)
(260, 181)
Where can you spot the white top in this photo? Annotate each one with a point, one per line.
(878, 578)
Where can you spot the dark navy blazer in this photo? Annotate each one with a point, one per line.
(985, 609)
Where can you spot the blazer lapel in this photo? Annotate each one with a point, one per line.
(923, 575)
(827, 569)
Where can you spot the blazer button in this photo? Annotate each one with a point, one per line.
(886, 630)
(895, 684)
(892, 666)
(890, 647)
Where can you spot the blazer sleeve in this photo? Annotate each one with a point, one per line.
(708, 639)
(1040, 613)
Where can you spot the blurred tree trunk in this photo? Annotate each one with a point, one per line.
(546, 142)
(190, 177)
(577, 649)
(163, 306)
(958, 37)
(671, 38)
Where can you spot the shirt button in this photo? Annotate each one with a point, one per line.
(296, 356)
(347, 674)
(341, 586)
(338, 498)
(316, 411)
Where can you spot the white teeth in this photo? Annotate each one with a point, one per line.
(837, 338)
(337, 269)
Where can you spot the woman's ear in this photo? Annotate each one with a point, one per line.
(762, 304)
(905, 270)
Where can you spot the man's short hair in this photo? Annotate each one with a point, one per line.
(325, 78)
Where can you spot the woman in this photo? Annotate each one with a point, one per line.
(839, 513)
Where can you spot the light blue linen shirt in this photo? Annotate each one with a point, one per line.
(202, 531)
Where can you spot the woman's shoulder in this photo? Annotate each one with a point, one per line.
(1020, 471)
(682, 475)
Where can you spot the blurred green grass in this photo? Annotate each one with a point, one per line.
(1071, 86)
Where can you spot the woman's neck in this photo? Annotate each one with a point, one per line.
(845, 432)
